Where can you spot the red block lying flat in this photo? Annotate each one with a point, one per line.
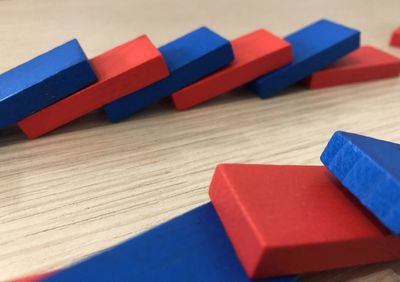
(256, 53)
(32, 278)
(296, 219)
(121, 71)
(364, 64)
(395, 39)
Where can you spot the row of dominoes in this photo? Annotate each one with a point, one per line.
(269, 221)
(62, 84)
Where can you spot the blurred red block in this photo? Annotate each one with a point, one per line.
(120, 71)
(256, 53)
(32, 278)
(364, 64)
(395, 39)
(296, 219)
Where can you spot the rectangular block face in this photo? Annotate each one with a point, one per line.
(42, 81)
(395, 39)
(314, 47)
(364, 64)
(369, 168)
(189, 58)
(296, 219)
(124, 69)
(256, 53)
(191, 247)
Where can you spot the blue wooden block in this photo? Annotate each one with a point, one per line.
(191, 247)
(42, 81)
(189, 58)
(370, 169)
(314, 47)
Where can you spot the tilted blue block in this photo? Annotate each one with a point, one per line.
(314, 47)
(189, 58)
(370, 169)
(42, 81)
(191, 247)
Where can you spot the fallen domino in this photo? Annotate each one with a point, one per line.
(368, 168)
(395, 39)
(189, 58)
(191, 247)
(314, 47)
(120, 71)
(42, 81)
(364, 64)
(283, 220)
(256, 53)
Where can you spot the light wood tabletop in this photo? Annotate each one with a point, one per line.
(92, 184)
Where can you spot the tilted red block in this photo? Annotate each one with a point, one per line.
(395, 39)
(296, 219)
(365, 64)
(121, 71)
(256, 53)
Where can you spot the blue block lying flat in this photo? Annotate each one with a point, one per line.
(370, 169)
(314, 47)
(189, 58)
(191, 247)
(42, 81)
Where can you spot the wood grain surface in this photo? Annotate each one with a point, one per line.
(90, 184)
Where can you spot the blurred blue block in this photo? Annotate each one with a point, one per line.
(314, 47)
(370, 169)
(191, 247)
(42, 81)
(189, 58)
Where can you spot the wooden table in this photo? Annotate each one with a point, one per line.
(90, 184)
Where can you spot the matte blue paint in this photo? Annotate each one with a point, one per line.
(189, 58)
(370, 169)
(42, 81)
(191, 247)
(314, 47)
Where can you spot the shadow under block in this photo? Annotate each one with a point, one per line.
(370, 169)
(314, 47)
(283, 220)
(42, 81)
(120, 71)
(256, 53)
(364, 64)
(395, 39)
(191, 247)
(188, 58)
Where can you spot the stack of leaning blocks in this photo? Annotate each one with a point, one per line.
(265, 221)
(62, 85)
(270, 222)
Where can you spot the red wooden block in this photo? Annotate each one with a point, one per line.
(32, 278)
(364, 64)
(395, 39)
(121, 71)
(296, 219)
(255, 53)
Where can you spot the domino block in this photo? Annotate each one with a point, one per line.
(189, 58)
(314, 47)
(122, 70)
(42, 81)
(369, 169)
(191, 247)
(283, 220)
(364, 64)
(32, 278)
(395, 39)
(256, 53)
